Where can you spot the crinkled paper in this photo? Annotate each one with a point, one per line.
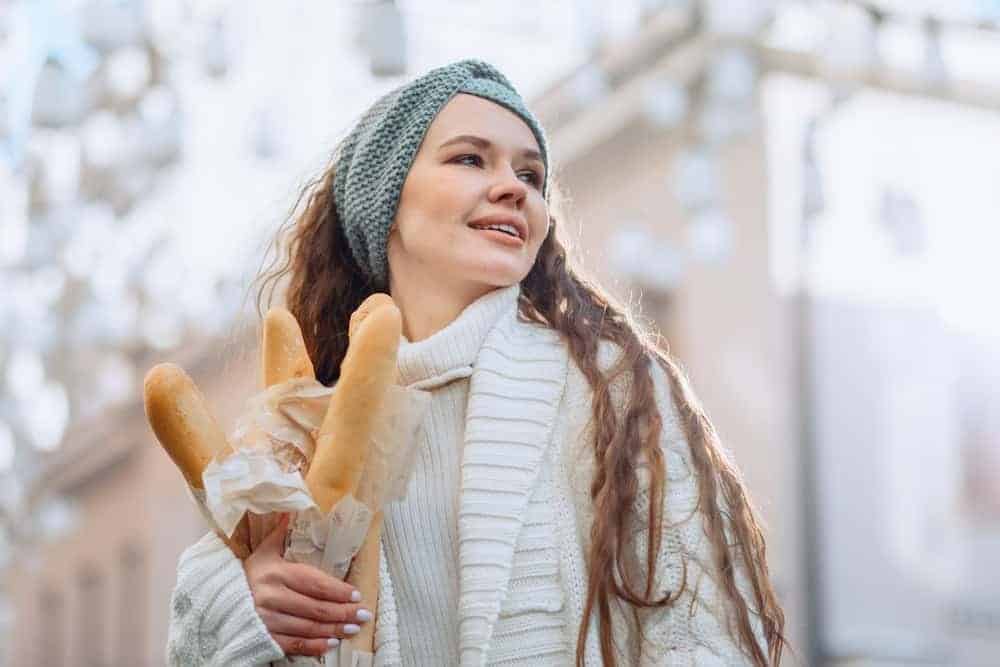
(331, 542)
(198, 496)
(344, 655)
(273, 441)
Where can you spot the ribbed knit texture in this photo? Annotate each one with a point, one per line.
(213, 620)
(421, 531)
(698, 629)
(376, 155)
(511, 605)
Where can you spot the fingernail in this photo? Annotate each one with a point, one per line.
(356, 596)
(364, 615)
(351, 629)
(332, 642)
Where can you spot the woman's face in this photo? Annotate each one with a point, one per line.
(478, 164)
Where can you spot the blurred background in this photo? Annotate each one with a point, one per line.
(802, 195)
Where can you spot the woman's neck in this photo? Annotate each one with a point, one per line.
(426, 309)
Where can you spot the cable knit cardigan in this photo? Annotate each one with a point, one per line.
(524, 525)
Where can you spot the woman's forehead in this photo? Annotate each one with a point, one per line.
(468, 114)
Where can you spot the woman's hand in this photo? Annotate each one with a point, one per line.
(306, 610)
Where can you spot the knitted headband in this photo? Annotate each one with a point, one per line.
(376, 155)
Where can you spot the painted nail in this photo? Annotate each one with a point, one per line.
(364, 615)
(356, 596)
(332, 642)
(351, 629)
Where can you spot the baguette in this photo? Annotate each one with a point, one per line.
(377, 300)
(183, 424)
(364, 571)
(369, 367)
(186, 429)
(283, 357)
(363, 575)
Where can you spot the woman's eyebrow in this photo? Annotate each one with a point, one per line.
(530, 153)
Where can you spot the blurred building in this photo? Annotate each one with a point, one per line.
(723, 321)
(100, 594)
(867, 428)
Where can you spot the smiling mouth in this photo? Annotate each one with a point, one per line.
(500, 236)
(494, 229)
(502, 228)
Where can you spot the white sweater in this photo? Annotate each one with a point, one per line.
(421, 531)
(484, 560)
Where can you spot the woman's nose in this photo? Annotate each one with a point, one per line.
(509, 186)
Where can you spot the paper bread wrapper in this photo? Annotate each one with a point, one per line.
(350, 455)
(287, 416)
(283, 358)
(256, 477)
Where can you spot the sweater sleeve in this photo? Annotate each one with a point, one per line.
(213, 620)
(698, 628)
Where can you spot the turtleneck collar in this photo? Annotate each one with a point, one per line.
(450, 353)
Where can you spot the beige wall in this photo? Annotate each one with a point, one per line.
(134, 509)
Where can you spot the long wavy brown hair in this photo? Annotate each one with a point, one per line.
(311, 262)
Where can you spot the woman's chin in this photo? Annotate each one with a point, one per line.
(502, 276)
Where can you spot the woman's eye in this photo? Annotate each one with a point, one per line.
(533, 177)
(462, 158)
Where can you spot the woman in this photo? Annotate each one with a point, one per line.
(570, 502)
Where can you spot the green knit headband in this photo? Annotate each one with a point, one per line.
(376, 156)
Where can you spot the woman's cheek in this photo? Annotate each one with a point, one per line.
(452, 182)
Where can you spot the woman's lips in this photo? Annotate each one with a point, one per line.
(500, 237)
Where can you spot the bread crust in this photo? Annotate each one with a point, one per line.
(185, 428)
(284, 355)
(369, 367)
(182, 422)
(364, 571)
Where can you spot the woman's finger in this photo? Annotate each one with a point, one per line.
(301, 645)
(315, 583)
(285, 624)
(293, 626)
(295, 604)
